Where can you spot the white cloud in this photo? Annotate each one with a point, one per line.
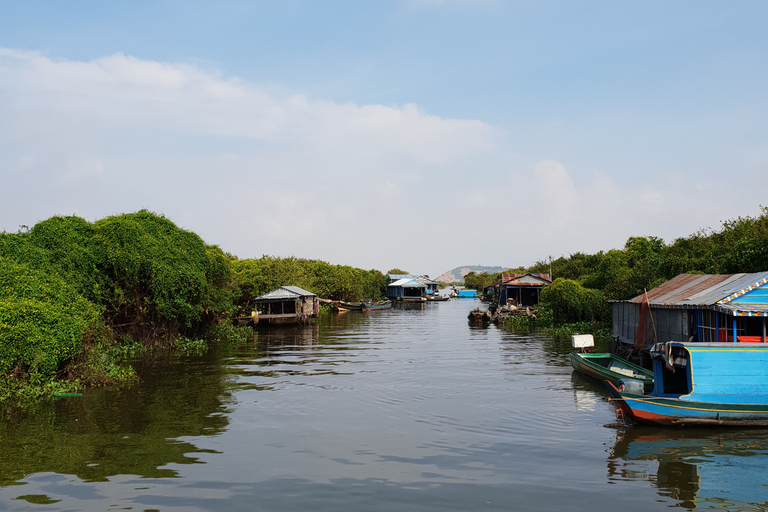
(259, 172)
(249, 168)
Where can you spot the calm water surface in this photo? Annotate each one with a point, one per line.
(406, 409)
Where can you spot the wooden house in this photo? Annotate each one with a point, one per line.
(518, 289)
(696, 308)
(284, 305)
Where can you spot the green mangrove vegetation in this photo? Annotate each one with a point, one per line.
(577, 300)
(78, 299)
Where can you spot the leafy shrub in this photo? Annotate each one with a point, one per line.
(43, 320)
(570, 302)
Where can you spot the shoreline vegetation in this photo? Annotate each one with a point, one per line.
(578, 300)
(79, 300)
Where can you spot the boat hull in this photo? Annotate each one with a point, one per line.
(377, 305)
(479, 316)
(349, 306)
(679, 412)
(589, 364)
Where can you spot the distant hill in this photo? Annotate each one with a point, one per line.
(457, 275)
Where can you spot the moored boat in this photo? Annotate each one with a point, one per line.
(702, 384)
(479, 316)
(381, 304)
(349, 306)
(603, 366)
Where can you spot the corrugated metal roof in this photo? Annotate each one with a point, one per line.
(285, 292)
(520, 279)
(697, 290)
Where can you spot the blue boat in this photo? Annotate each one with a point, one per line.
(467, 294)
(701, 384)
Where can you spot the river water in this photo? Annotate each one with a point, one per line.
(408, 409)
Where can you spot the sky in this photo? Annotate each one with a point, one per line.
(418, 134)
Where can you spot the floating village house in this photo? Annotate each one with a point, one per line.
(696, 307)
(432, 286)
(287, 304)
(409, 288)
(519, 289)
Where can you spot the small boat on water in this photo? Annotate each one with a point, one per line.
(373, 306)
(349, 306)
(701, 384)
(479, 316)
(603, 366)
(437, 298)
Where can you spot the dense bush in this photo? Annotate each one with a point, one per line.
(43, 320)
(158, 271)
(570, 302)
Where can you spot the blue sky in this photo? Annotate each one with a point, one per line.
(420, 134)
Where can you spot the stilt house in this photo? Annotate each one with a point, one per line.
(406, 289)
(520, 289)
(696, 307)
(287, 304)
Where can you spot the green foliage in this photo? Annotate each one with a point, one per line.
(222, 289)
(190, 346)
(66, 279)
(255, 277)
(107, 362)
(521, 324)
(570, 302)
(159, 271)
(228, 333)
(397, 271)
(68, 246)
(480, 281)
(43, 320)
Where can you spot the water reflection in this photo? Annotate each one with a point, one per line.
(133, 431)
(706, 469)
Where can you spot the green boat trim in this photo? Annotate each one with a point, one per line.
(603, 366)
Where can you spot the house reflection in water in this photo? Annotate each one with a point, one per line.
(697, 468)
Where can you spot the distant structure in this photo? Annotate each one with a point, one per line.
(286, 305)
(518, 289)
(409, 287)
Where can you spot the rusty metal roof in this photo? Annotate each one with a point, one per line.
(519, 279)
(698, 290)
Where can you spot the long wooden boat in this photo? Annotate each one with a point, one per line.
(603, 366)
(381, 304)
(702, 384)
(349, 306)
(437, 298)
